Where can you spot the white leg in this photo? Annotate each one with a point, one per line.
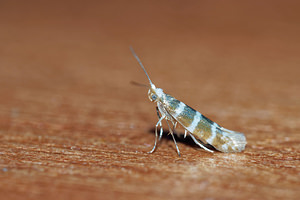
(159, 122)
(160, 132)
(185, 133)
(171, 132)
(176, 145)
(201, 145)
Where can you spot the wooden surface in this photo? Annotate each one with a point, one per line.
(73, 127)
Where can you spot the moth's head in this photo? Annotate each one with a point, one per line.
(154, 94)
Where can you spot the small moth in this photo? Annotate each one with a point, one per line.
(201, 129)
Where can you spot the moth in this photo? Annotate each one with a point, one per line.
(201, 129)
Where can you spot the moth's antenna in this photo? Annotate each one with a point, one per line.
(139, 84)
(139, 61)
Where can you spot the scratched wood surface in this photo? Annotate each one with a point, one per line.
(73, 127)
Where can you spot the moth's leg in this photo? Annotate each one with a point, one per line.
(171, 132)
(159, 122)
(161, 128)
(174, 126)
(201, 145)
(185, 133)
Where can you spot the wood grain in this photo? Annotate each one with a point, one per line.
(73, 127)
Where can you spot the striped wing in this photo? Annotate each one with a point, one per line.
(203, 128)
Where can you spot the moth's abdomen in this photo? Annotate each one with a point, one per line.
(203, 128)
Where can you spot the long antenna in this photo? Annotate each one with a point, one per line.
(139, 61)
(138, 84)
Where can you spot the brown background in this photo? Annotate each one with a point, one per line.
(73, 127)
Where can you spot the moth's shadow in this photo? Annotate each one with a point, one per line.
(179, 137)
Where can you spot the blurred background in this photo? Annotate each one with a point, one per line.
(215, 56)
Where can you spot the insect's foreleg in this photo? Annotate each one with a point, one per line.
(201, 145)
(161, 128)
(159, 122)
(171, 132)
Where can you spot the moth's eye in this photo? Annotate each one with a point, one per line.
(154, 97)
